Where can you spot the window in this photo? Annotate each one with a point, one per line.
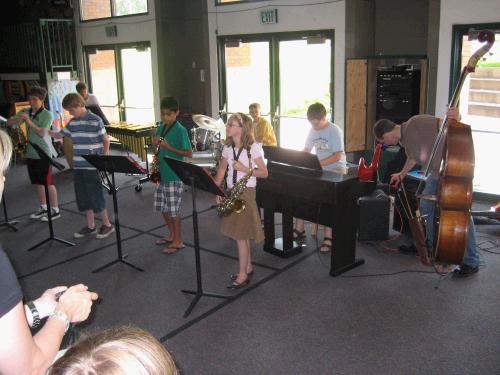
(480, 101)
(95, 9)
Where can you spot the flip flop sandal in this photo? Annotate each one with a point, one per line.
(162, 241)
(326, 246)
(298, 235)
(172, 249)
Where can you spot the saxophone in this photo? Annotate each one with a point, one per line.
(233, 203)
(155, 165)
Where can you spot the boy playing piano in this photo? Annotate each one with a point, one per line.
(327, 140)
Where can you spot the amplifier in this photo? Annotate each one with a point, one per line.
(398, 94)
(374, 216)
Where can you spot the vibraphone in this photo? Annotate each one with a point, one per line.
(134, 136)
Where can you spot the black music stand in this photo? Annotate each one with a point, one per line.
(197, 178)
(112, 164)
(302, 162)
(6, 222)
(60, 167)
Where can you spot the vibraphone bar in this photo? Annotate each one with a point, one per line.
(134, 136)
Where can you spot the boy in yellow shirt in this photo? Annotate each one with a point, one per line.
(263, 130)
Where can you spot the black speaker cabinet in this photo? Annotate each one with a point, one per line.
(398, 94)
(374, 216)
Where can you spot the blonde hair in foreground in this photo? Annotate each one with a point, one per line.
(116, 351)
(5, 151)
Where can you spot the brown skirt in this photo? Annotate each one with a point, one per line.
(245, 225)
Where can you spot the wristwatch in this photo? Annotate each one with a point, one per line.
(34, 314)
(62, 315)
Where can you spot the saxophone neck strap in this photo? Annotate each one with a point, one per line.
(236, 156)
(33, 115)
(165, 130)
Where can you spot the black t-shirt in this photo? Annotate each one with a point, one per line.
(10, 290)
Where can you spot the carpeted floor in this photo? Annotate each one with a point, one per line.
(389, 316)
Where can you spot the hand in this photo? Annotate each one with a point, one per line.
(396, 179)
(237, 166)
(453, 113)
(76, 302)
(47, 302)
(218, 199)
(24, 116)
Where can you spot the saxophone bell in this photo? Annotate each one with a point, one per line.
(233, 203)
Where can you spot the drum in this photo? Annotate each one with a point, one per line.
(202, 139)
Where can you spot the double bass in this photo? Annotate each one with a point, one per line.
(454, 194)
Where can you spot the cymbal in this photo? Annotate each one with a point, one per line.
(208, 123)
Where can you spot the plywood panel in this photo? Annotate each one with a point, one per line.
(355, 105)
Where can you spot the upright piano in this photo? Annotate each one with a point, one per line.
(296, 188)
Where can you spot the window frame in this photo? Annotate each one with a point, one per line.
(233, 2)
(112, 7)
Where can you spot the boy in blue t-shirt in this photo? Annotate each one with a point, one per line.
(174, 142)
(89, 137)
(328, 141)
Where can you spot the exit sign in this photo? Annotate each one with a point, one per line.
(269, 16)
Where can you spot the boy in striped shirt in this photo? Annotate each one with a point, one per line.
(89, 137)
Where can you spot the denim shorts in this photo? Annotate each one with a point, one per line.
(89, 190)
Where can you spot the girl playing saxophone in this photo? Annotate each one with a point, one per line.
(240, 155)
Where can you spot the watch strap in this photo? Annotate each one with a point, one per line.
(35, 316)
(62, 315)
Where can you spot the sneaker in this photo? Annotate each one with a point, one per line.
(105, 231)
(39, 214)
(55, 215)
(465, 270)
(85, 231)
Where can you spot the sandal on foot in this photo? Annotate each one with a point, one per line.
(234, 276)
(172, 249)
(326, 246)
(237, 285)
(163, 241)
(298, 235)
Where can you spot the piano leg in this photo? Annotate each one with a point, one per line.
(343, 255)
(268, 228)
(283, 247)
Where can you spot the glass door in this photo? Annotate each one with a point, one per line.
(121, 78)
(137, 84)
(304, 78)
(284, 72)
(103, 79)
(480, 107)
(247, 75)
